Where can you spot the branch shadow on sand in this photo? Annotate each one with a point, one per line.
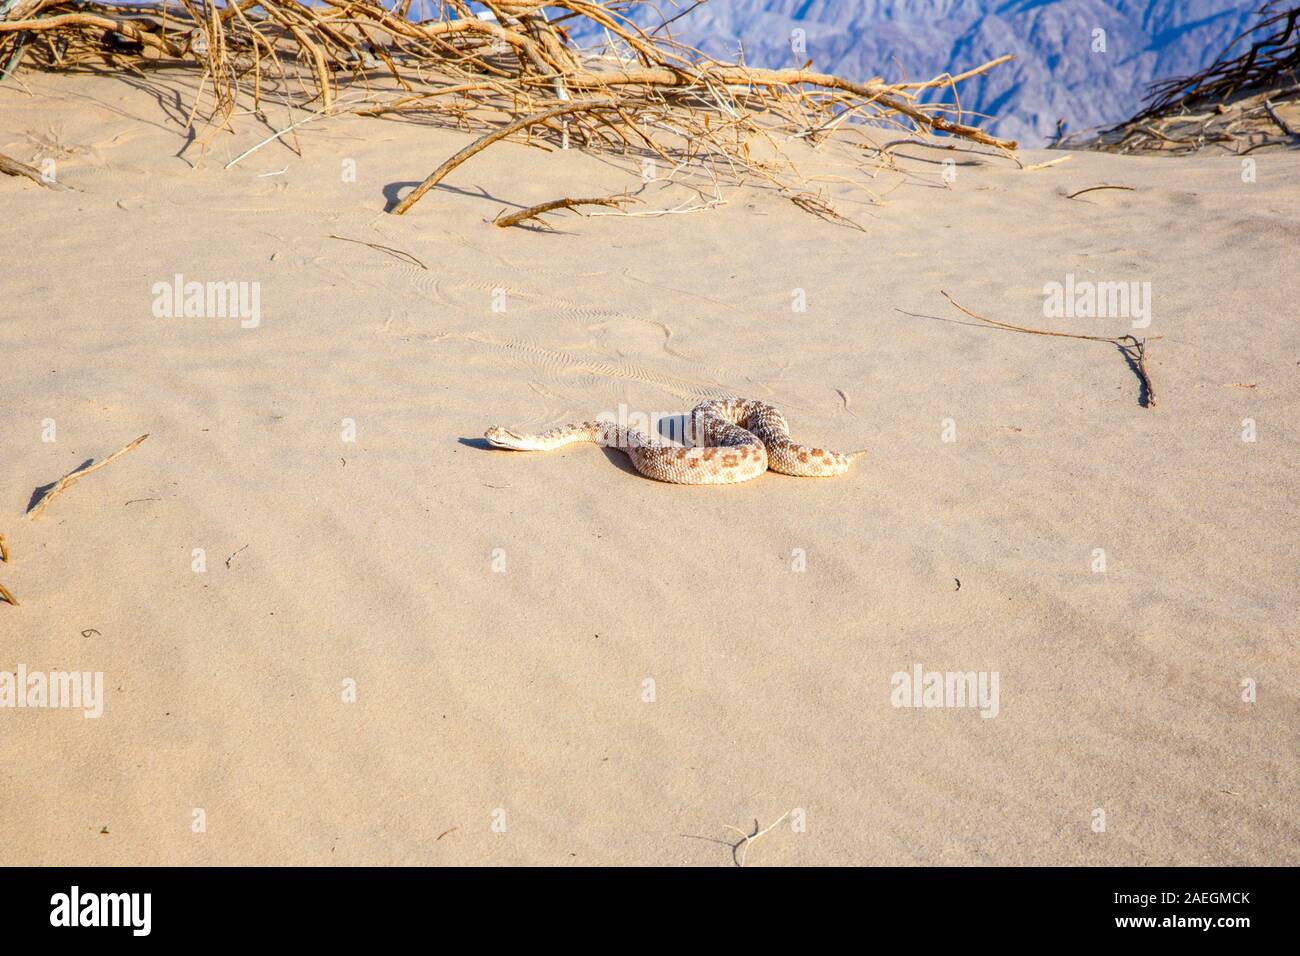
(38, 494)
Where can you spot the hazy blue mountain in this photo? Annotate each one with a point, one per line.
(1056, 73)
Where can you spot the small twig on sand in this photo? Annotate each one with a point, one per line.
(1133, 349)
(67, 481)
(5, 594)
(12, 167)
(397, 253)
(515, 218)
(1050, 162)
(810, 203)
(20, 46)
(1103, 186)
(484, 142)
(333, 109)
(1136, 353)
(1024, 328)
(4, 556)
(274, 136)
(1267, 142)
(740, 848)
(748, 838)
(1281, 123)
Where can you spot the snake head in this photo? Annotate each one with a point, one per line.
(499, 437)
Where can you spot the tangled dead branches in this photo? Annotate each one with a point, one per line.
(1233, 103)
(643, 93)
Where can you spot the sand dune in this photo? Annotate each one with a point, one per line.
(501, 614)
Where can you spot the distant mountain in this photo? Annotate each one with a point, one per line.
(1056, 74)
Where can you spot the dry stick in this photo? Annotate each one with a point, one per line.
(682, 207)
(4, 548)
(20, 47)
(7, 596)
(745, 840)
(1050, 162)
(12, 167)
(323, 112)
(1267, 142)
(654, 76)
(810, 203)
(750, 77)
(1092, 188)
(748, 838)
(1139, 347)
(397, 253)
(67, 481)
(1137, 356)
(515, 218)
(1281, 123)
(949, 79)
(124, 27)
(486, 141)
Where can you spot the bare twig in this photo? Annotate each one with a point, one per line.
(67, 481)
(124, 27)
(1133, 349)
(1222, 103)
(12, 167)
(740, 848)
(331, 110)
(485, 141)
(1136, 352)
(651, 97)
(810, 203)
(1281, 123)
(1094, 188)
(515, 218)
(396, 253)
(1050, 162)
(5, 594)
(749, 838)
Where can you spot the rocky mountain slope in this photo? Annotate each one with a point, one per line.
(1088, 62)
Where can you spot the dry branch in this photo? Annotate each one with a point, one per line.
(1232, 103)
(1282, 124)
(484, 142)
(67, 481)
(76, 20)
(12, 167)
(1133, 349)
(5, 594)
(1095, 188)
(389, 250)
(532, 212)
(810, 203)
(646, 95)
(1050, 162)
